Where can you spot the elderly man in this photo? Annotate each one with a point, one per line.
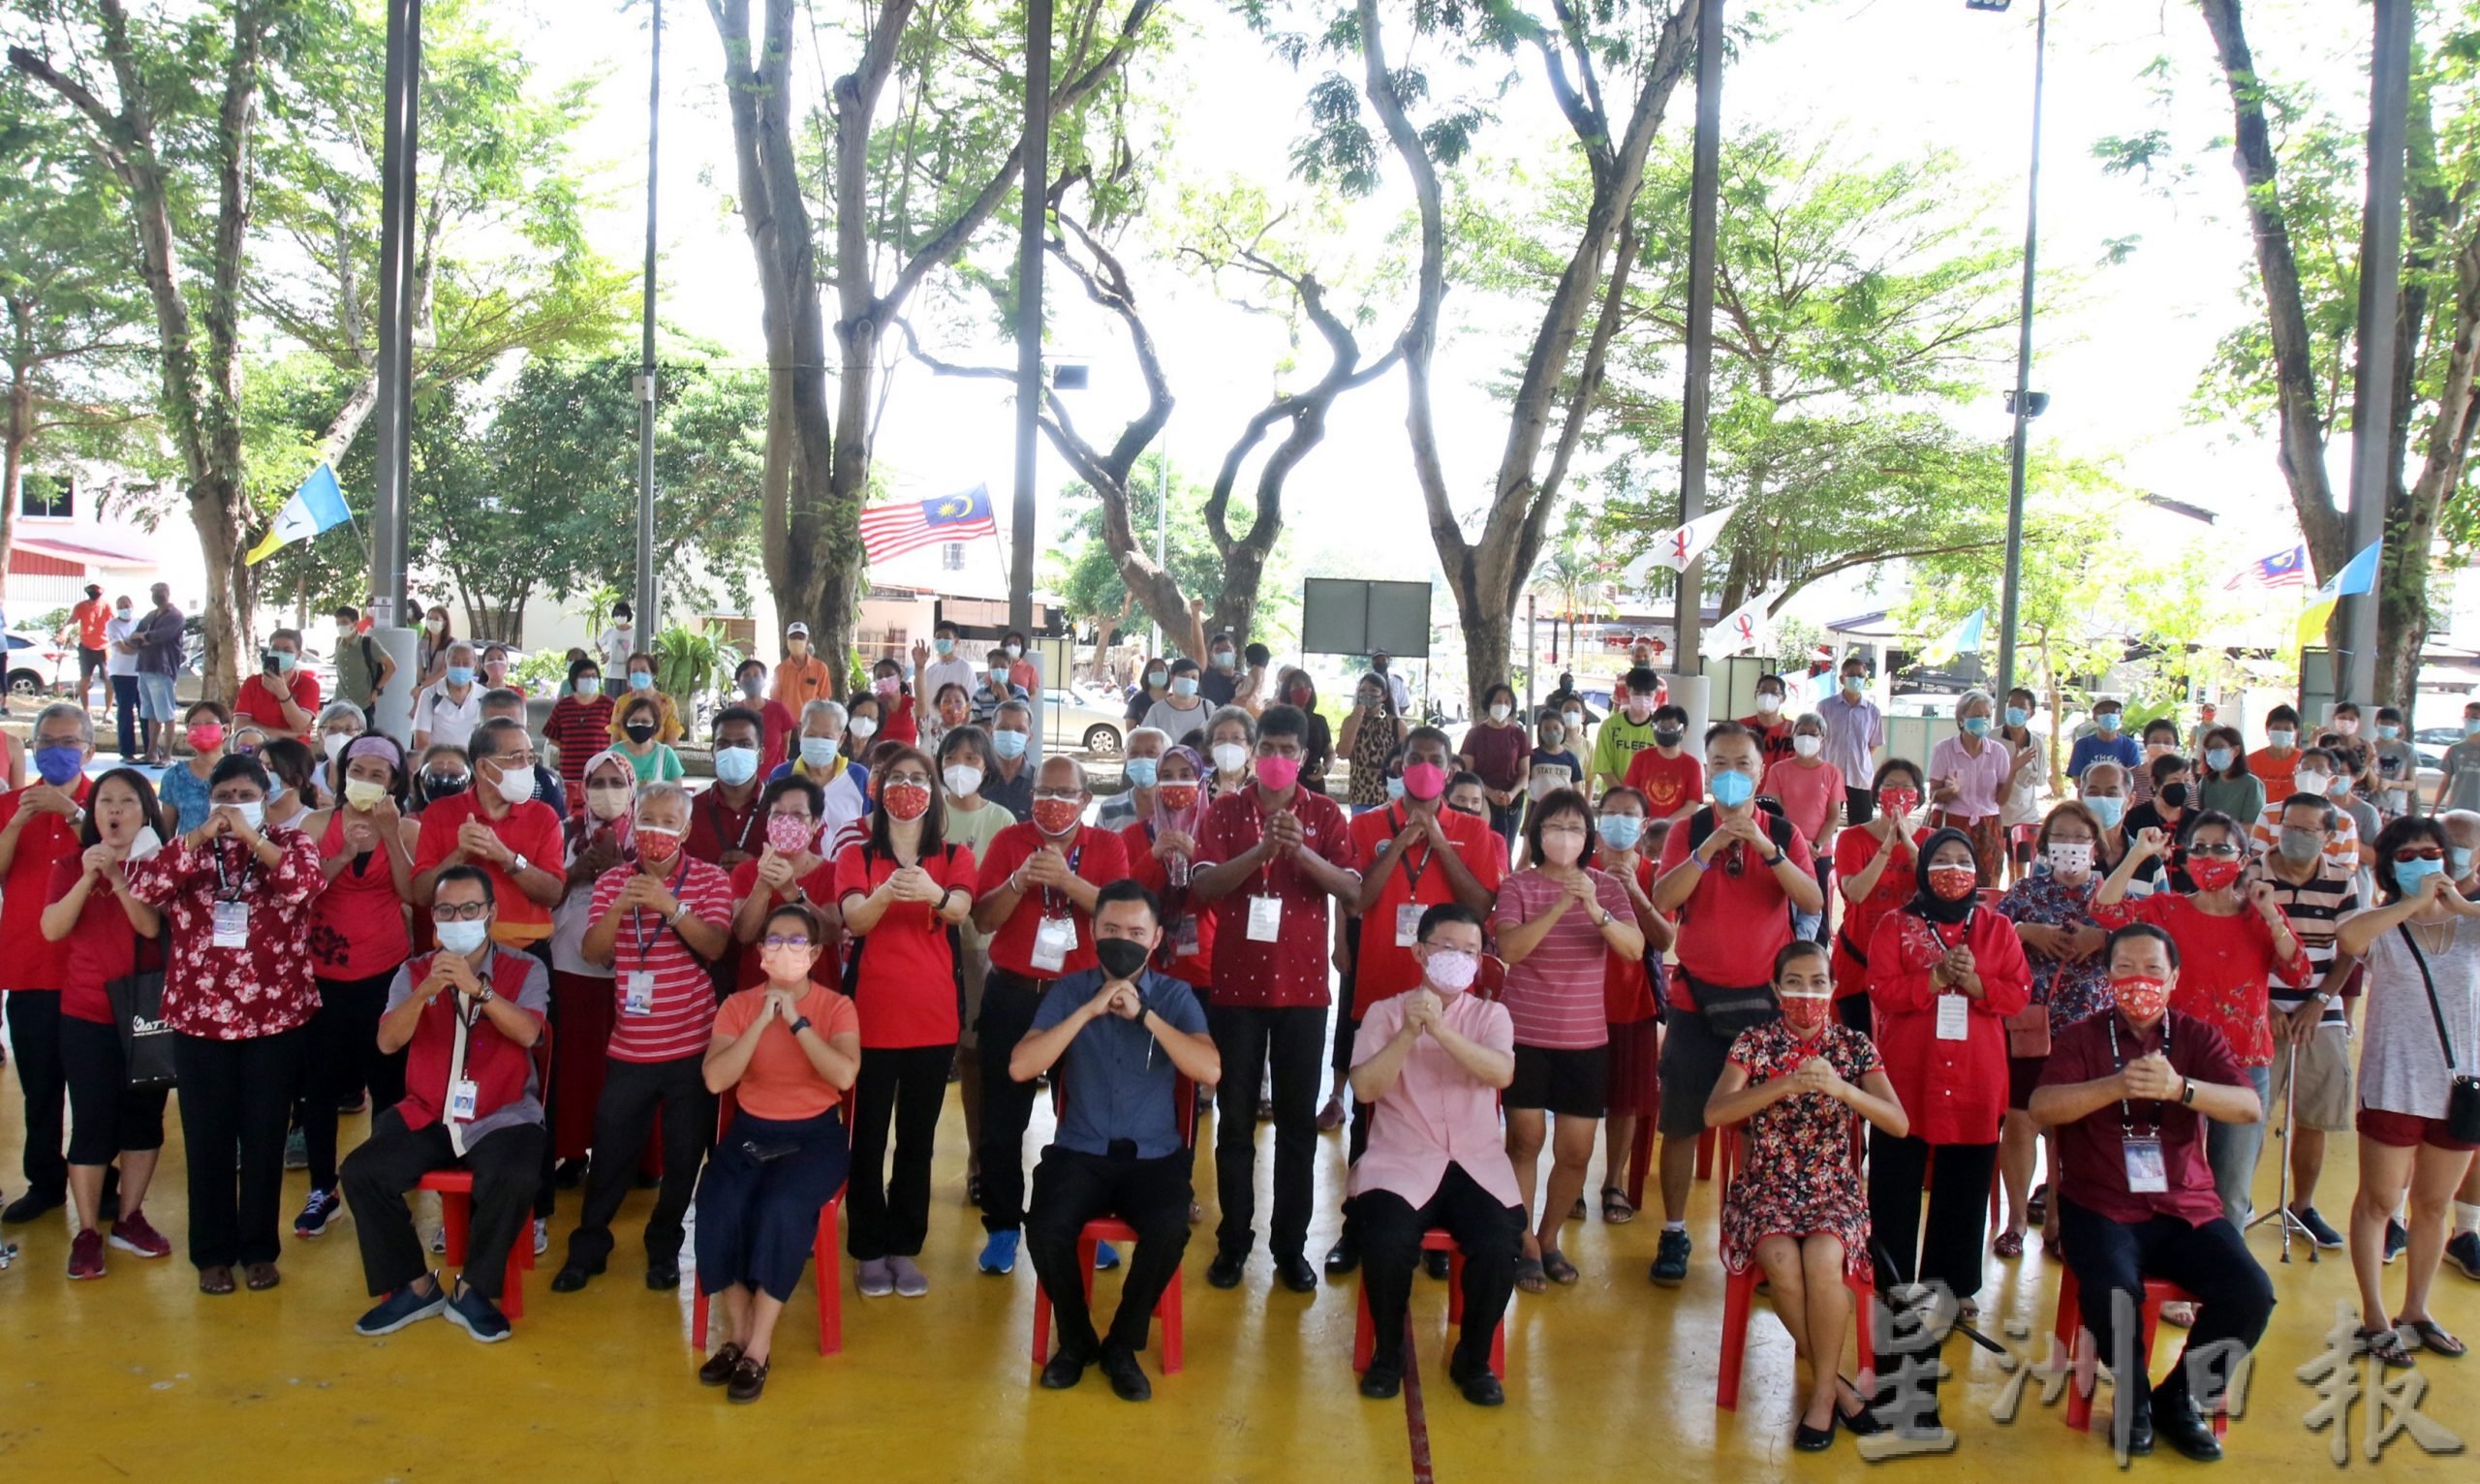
(501, 704)
(1143, 752)
(39, 830)
(2130, 1091)
(469, 1019)
(2102, 787)
(445, 714)
(1036, 897)
(1120, 1150)
(499, 825)
(2311, 1076)
(817, 756)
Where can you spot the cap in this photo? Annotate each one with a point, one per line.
(800, 629)
(94, 590)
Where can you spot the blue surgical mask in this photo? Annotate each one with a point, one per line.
(1142, 771)
(2107, 721)
(2017, 716)
(1619, 831)
(460, 674)
(59, 765)
(2408, 873)
(2108, 811)
(639, 680)
(1008, 744)
(2387, 731)
(736, 766)
(1976, 725)
(1732, 788)
(818, 751)
(1184, 685)
(2217, 759)
(2471, 727)
(1853, 685)
(946, 647)
(1394, 789)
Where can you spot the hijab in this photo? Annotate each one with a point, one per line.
(1927, 903)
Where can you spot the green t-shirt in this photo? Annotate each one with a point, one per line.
(662, 766)
(1618, 741)
(975, 829)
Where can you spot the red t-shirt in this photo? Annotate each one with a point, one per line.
(907, 988)
(1094, 854)
(775, 722)
(530, 829)
(91, 616)
(1668, 783)
(1773, 738)
(1733, 924)
(1384, 966)
(29, 961)
(1289, 971)
(1853, 850)
(101, 948)
(262, 703)
(1194, 967)
(681, 1013)
(2226, 966)
(820, 887)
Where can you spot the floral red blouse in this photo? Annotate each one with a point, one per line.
(234, 994)
(2224, 966)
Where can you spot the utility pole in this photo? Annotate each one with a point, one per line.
(649, 601)
(1705, 189)
(1029, 308)
(2011, 593)
(399, 139)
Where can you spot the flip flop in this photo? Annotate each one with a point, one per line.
(2386, 1346)
(2432, 1338)
(1558, 1269)
(2009, 1244)
(1529, 1275)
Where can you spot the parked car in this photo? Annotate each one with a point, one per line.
(39, 666)
(1075, 722)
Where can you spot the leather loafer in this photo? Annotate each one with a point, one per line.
(1343, 1257)
(1296, 1274)
(1224, 1272)
(1380, 1381)
(1813, 1439)
(572, 1278)
(2186, 1432)
(2140, 1434)
(1062, 1371)
(748, 1383)
(1479, 1384)
(1128, 1377)
(664, 1277)
(718, 1368)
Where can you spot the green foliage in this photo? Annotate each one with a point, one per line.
(691, 663)
(1081, 571)
(541, 672)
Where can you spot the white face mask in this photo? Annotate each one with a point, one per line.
(2312, 783)
(962, 781)
(862, 728)
(2070, 857)
(1501, 711)
(335, 742)
(1768, 702)
(515, 785)
(1230, 757)
(1808, 745)
(253, 814)
(463, 938)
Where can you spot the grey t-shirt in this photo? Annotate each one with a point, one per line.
(534, 995)
(2462, 788)
(2402, 1067)
(2398, 774)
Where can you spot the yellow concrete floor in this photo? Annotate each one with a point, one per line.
(138, 1376)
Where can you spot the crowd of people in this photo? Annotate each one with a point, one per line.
(1875, 977)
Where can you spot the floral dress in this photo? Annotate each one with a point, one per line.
(2073, 990)
(1796, 1177)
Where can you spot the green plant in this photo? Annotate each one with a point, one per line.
(541, 672)
(690, 662)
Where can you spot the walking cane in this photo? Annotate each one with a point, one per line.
(2290, 1109)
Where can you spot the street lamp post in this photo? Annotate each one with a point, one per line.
(2022, 402)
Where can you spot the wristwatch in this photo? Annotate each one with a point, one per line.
(800, 895)
(518, 865)
(2187, 1091)
(801, 1025)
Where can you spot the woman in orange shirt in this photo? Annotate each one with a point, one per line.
(789, 1051)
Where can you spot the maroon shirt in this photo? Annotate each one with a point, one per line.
(1289, 972)
(2093, 1169)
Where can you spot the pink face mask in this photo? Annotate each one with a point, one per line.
(790, 834)
(1278, 773)
(1423, 781)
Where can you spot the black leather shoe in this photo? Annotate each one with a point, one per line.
(1343, 1257)
(1224, 1272)
(1436, 1264)
(663, 1276)
(1062, 1371)
(1296, 1274)
(1814, 1439)
(2181, 1426)
(29, 1206)
(1863, 1423)
(1128, 1376)
(1382, 1381)
(719, 1367)
(572, 1278)
(2140, 1434)
(1477, 1380)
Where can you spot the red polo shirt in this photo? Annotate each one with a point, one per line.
(1290, 971)
(531, 829)
(1095, 855)
(31, 962)
(1733, 924)
(1382, 968)
(260, 702)
(717, 830)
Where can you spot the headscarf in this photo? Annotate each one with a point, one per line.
(584, 823)
(1184, 821)
(1927, 903)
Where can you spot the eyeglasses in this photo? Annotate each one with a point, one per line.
(460, 912)
(784, 941)
(1056, 795)
(916, 780)
(2429, 852)
(2222, 851)
(1563, 829)
(60, 739)
(789, 814)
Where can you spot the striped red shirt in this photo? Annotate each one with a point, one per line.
(682, 1014)
(1555, 995)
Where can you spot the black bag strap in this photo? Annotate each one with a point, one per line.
(2436, 1012)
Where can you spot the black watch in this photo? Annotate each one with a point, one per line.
(801, 1025)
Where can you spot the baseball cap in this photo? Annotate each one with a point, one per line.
(799, 630)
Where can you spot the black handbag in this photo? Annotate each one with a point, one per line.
(145, 1036)
(1726, 1012)
(2462, 1088)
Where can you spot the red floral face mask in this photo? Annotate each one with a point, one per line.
(2209, 874)
(1056, 816)
(1953, 883)
(905, 800)
(1176, 796)
(2141, 995)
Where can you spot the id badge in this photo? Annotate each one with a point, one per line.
(1408, 923)
(463, 1097)
(231, 925)
(1053, 940)
(1184, 938)
(1265, 918)
(1954, 1018)
(2145, 1173)
(638, 992)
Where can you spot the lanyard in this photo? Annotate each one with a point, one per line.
(226, 890)
(1966, 925)
(1264, 875)
(2126, 1113)
(637, 914)
(1411, 874)
(1056, 903)
(748, 821)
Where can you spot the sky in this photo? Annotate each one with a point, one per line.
(1880, 77)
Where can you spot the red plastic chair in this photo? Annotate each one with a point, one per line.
(2069, 1331)
(455, 1191)
(1170, 1311)
(1438, 1239)
(824, 1251)
(1740, 1292)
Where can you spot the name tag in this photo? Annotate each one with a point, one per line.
(638, 992)
(1408, 923)
(1265, 918)
(2147, 1175)
(1954, 1018)
(1053, 939)
(462, 1099)
(231, 925)
(1184, 937)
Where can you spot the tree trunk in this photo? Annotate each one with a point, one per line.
(19, 429)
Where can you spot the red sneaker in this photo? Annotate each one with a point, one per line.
(132, 1234)
(86, 1254)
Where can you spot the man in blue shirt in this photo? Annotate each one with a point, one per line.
(2104, 740)
(1122, 1036)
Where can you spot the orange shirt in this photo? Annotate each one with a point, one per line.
(798, 682)
(91, 616)
(2275, 773)
(779, 1082)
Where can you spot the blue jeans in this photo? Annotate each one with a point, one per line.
(2231, 1148)
(155, 696)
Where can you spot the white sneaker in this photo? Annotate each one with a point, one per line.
(438, 1241)
(542, 1235)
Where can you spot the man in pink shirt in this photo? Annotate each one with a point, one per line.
(1432, 1062)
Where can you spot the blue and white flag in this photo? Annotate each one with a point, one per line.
(319, 505)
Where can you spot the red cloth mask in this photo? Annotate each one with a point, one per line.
(2142, 996)
(2209, 874)
(906, 801)
(657, 846)
(1176, 796)
(1056, 816)
(790, 834)
(1953, 883)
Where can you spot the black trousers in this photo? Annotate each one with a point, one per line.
(2234, 1298)
(889, 1213)
(1250, 1039)
(1949, 1250)
(236, 1101)
(395, 1159)
(758, 1218)
(1070, 1189)
(1859, 805)
(125, 699)
(1853, 1011)
(633, 1092)
(34, 1035)
(106, 1115)
(343, 1059)
(1491, 1235)
(1008, 1001)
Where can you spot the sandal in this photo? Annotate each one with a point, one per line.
(2432, 1337)
(1558, 1269)
(2386, 1346)
(2038, 1207)
(2009, 1244)
(1616, 1208)
(260, 1277)
(216, 1280)
(1529, 1275)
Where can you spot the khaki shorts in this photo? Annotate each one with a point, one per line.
(2324, 1081)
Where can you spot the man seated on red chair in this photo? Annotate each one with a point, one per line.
(2129, 1093)
(1122, 1034)
(467, 1018)
(1432, 1062)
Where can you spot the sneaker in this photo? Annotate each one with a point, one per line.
(2397, 1237)
(132, 1234)
(2318, 1231)
(438, 1241)
(875, 1278)
(1105, 1256)
(909, 1281)
(1670, 1258)
(999, 1254)
(297, 1151)
(402, 1308)
(317, 1212)
(542, 1235)
(86, 1254)
(2463, 1251)
(477, 1316)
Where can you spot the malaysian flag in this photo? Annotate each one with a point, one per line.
(892, 530)
(2288, 568)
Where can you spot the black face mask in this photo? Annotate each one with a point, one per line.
(639, 731)
(1670, 736)
(2174, 796)
(1121, 958)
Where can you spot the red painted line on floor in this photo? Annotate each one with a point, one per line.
(1416, 1420)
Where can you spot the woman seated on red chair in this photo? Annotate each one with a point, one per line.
(1796, 1205)
(788, 1050)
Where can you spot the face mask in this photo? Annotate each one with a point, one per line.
(1424, 781)
(2108, 811)
(1552, 737)
(2211, 875)
(1667, 737)
(817, 752)
(638, 731)
(787, 965)
(1768, 703)
(639, 680)
(463, 938)
(1501, 711)
(2174, 796)
(587, 682)
(1975, 727)
(1853, 685)
(1953, 883)
(2107, 721)
(1015, 651)
(440, 625)
(59, 765)
(2459, 857)
(607, 802)
(2471, 727)
(1276, 774)
(253, 814)
(1140, 772)
(2217, 759)
(862, 728)
(363, 795)
(1121, 958)
(1732, 788)
(1373, 700)
(1575, 722)
(515, 785)
(752, 686)
(1808, 745)
(791, 834)
(440, 785)
(123, 611)
(206, 736)
(2140, 996)
(2387, 731)
(2070, 857)
(334, 744)
(460, 674)
(2298, 846)
(945, 648)
(1805, 1015)
(1619, 831)
(1156, 679)
(1057, 817)
(2017, 716)
(1898, 801)
(887, 685)
(1176, 796)
(2348, 726)
(2410, 874)
(280, 660)
(963, 779)
(736, 766)
(1008, 744)
(1185, 687)
(2314, 784)
(1223, 658)
(1394, 789)
(1639, 708)
(1230, 757)
(655, 846)
(2280, 741)
(1560, 850)
(1451, 969)
(905, 800)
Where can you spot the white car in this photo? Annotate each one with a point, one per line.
(39, 664)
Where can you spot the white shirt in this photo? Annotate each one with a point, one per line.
(939, 674)
(616, 644)
(446, 724)
(116, 631)
(1402, 693)
(843, 804)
